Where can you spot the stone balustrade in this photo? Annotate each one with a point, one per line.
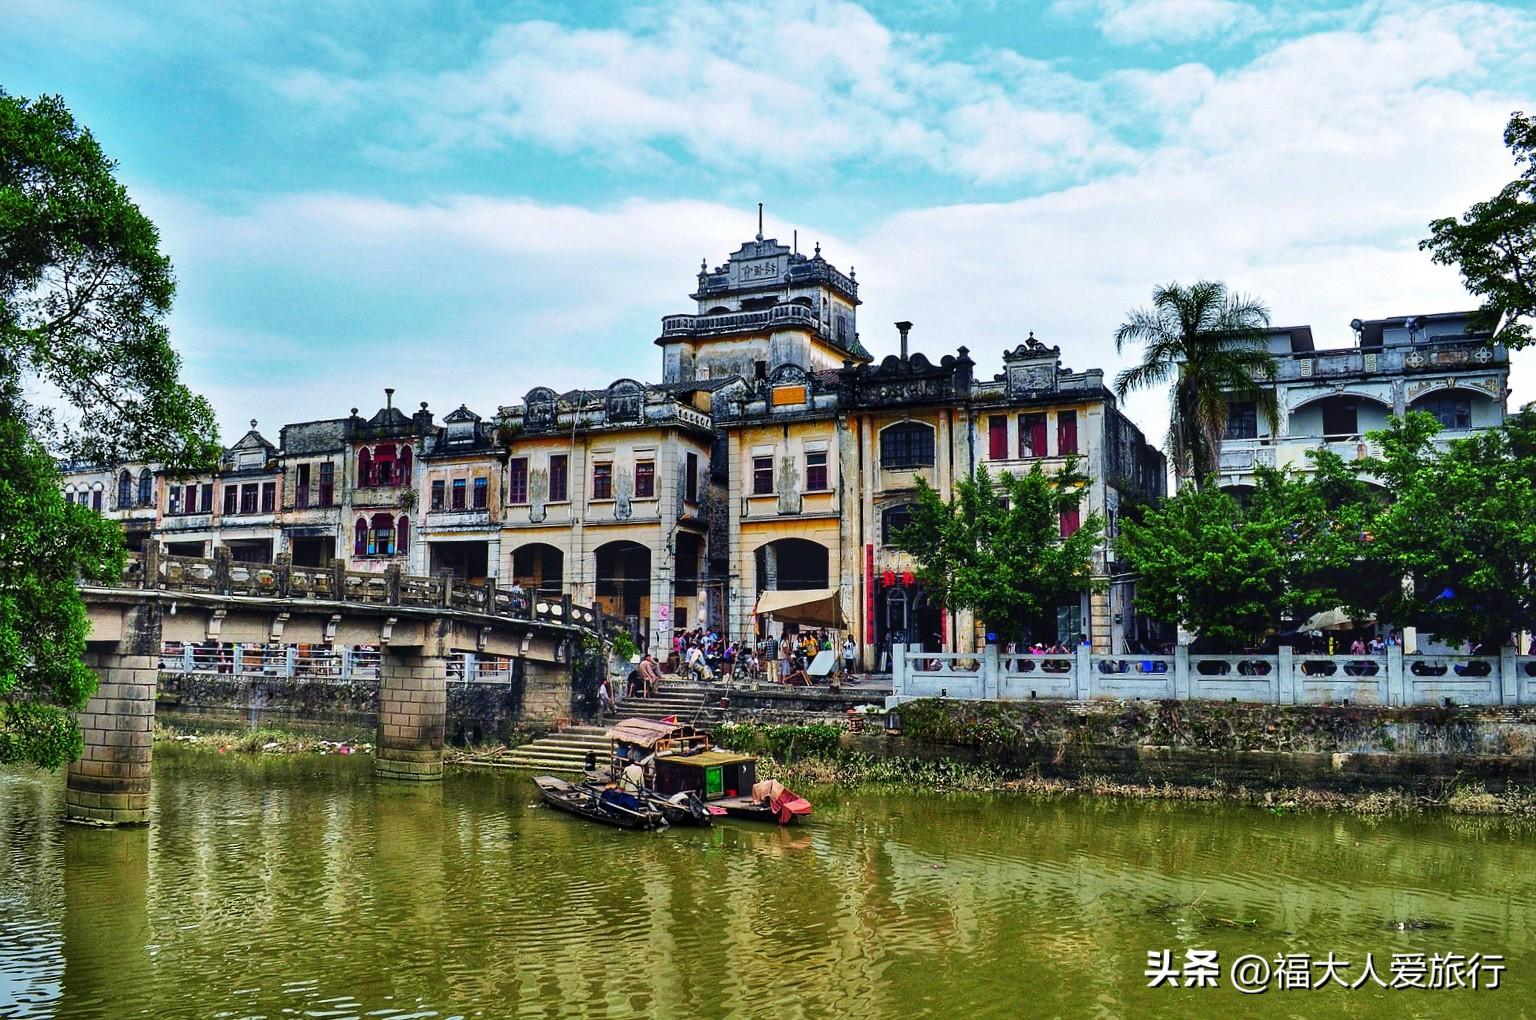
(1287, 678)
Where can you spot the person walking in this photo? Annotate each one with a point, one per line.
(850, 655)
(770, 649)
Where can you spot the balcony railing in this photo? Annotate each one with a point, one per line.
(687, 325)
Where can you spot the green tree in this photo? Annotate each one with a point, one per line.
(84, 291)
(996, 548)
(1238, 573)
(1458, 538)
(1201, 563)
(1494, 244)
(1213, 347)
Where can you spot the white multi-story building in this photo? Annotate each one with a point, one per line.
(1329, 398)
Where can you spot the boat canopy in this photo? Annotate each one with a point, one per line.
(704, 759)
(646, 733)
(813, 607)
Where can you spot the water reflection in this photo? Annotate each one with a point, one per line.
(301, 887)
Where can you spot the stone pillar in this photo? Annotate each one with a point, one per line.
(1397, 684)
(413, 709)
(1181, 684)
(109, 785)
(1287, 685)
(1082, 672)
(1508, 690)
(546, 690)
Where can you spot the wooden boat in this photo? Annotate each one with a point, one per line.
(728, 780)
(678, 759)
(611, 807)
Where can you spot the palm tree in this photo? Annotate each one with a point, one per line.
(1214, 346)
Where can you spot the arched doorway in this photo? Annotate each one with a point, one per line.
(908, 616)
(792, 564)
(624, 579)
(538, 566)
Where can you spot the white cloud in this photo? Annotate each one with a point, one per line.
(736, 84)
(1133, 22)
(1305, 178)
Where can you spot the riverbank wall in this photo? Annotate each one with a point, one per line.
(337, 709)
(1417, 751)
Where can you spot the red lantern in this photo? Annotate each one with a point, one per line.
(906, 577)
(888, 578)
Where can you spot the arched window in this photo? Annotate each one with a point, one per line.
(384, 464)
(381, 538)
(360, 538)
(365, 475)
(892, 521)
(146, 487)
(403, 533)
(907, 445)
(124, 490)
(403, 467)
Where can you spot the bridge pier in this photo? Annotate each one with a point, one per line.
(546, 690)
(109, 784)
(413, 714)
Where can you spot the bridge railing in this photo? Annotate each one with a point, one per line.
(220, 574)
(251, 660)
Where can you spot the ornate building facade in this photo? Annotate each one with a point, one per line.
(771, 466)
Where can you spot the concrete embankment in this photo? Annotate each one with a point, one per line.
(1416, 753)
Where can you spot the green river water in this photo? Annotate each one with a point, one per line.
(300, 887)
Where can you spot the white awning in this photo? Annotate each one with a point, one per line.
(813, 607)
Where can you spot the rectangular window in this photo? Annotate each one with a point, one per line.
(1340, 419)
(268, 497)
(691, 482)
(1031, 435)
(762, 476)
(248, 495)
(173, 506)
(207, 501)
(96, 501)
(460, 488)
(1242, 420)
(327, 483)
(301, 488)
(997, 437)
(482, 491)
(558, 464)
(1070, 522)
(816, 471)
(439, 493)
(231, 499)
(1066, 433)
(517, 484)
(645, 479)
(602, 479)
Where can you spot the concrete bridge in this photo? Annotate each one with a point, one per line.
(413, 632)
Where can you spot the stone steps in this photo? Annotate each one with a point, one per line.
(565, 751)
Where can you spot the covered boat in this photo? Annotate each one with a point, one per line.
(728, 780)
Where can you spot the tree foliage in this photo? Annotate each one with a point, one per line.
(1446, 543)
(1494, 244)
(1214, 348)
(84, 291)
(996, 547)
(1459, 531)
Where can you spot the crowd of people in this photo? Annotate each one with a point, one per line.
(702, 655)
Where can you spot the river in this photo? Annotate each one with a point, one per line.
(275, 887)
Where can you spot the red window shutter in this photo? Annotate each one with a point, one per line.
(403, 467)
(360, 544)
(1066, 432)
(364, 467)
(403, 529)
(1070, 522)
(997, 438)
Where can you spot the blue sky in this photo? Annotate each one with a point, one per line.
(464, 200)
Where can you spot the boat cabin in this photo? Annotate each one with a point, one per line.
(639, 739)
(710, 775)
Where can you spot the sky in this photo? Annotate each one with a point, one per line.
(465, 200)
